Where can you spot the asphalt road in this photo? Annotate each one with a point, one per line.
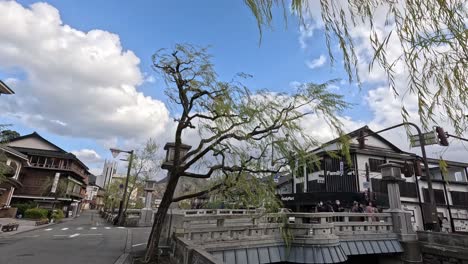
(84, 240)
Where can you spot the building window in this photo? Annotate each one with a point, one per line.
(299, 187)
(438, 194)
(407, 189)
(459, 198)
(374, 164)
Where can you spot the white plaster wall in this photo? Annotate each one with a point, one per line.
(373, 142)
(33, 143)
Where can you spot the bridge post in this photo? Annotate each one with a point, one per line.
(391, 174)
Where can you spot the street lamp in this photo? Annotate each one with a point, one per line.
(170, 152)
(115, 153)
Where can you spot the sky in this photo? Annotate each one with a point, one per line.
(82, 71)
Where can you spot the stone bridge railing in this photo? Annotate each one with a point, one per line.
(208, 226)
(225, 231)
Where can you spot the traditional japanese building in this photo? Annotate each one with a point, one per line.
(52, 177)
(335, 179)
(11, 162)
(4, 89)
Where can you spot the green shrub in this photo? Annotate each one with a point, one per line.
(35, 213)
(23, 207)
(57, 215)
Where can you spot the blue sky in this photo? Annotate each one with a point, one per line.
(146, 26)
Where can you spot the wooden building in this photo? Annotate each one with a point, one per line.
(335, 179)
(52, 177)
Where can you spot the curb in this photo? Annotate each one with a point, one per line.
(126, 257)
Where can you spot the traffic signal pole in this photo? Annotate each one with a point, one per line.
(435, 224)
(460, 138)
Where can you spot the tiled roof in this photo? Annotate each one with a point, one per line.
(49, 153)
(14, 152)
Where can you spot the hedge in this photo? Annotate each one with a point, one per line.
(36, 213)
(23, 207)
(57, 215)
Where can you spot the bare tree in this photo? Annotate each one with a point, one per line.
(238, 128)
(432, 37)
(145, 165)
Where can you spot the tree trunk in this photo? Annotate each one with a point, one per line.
(152, 252)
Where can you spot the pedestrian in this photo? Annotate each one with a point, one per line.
(329, 207)
(370, 209)
(337, 207)
(445, 225)
(355, 208)
(321, 207)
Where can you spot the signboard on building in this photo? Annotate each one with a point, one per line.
(55, 183)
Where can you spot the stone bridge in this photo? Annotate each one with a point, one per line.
(248, 236)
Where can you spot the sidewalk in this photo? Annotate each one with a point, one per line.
(24, 226)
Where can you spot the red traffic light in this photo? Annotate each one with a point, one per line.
(442, 136)
(417, 168)
(361, 140)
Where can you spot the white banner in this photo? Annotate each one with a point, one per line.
(56, 180)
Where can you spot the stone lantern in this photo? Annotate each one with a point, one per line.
(401, 220)
(150, 187)
(391, 175)
(170, 152)
(146, 214)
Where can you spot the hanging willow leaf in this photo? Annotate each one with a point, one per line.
(433, 39)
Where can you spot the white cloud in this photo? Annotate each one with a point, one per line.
(81, 84)
(316, 63)
(87, 155)
(380, 99)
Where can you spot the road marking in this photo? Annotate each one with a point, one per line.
(120, 227)
(31, 236)
(65, 228)
(74, 235)
(141, 244)
(60, 235)
(48, 229)
(107, 227)
(93, 228)
(79, 228)
(91, 234)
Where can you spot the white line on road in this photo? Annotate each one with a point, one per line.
(121, 227)
(74, 235)
(141, 244)
(93, 228)
(91, 234)
(65, 228)
(48, 229)
(31, 236)
(79, 228)
(60, 235)
(107, 227)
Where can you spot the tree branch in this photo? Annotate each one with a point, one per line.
(193, 195)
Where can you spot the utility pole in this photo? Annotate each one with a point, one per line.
(433, 208)
(115, 152)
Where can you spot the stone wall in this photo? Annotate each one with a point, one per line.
(184, 251)
(443, 248)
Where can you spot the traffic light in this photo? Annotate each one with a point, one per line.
(408, 170)
(442, 136)
(417, 168)
(362, 140)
